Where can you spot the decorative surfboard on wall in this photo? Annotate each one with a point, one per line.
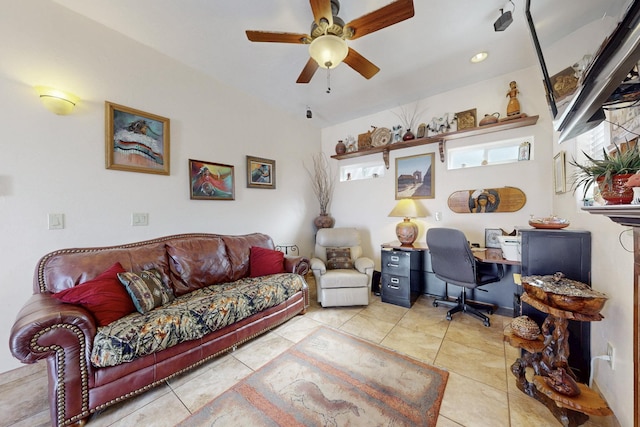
(505, 199)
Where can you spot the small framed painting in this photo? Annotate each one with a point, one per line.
(136, 141)
(261, 173)
(524, 151)
(211, 181)
(466, 119)
(559, 173)
(415, 177)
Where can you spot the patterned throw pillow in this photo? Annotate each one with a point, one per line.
(146, 289)
(339, 258)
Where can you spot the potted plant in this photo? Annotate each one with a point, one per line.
(610, 173)
(322, 184)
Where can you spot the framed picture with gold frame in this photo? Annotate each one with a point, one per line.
(415, 177)
(466, 119)
(136, 141)
(261, 173)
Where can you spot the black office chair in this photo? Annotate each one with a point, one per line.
(453, 262)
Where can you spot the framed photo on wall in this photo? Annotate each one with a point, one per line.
(136, 141)
(524, 152)
(559, 173)
(211, 181)
(261, 173)
(415, 177)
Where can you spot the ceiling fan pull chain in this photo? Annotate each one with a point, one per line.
(328, 80)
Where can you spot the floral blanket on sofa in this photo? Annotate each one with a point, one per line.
(190, 317)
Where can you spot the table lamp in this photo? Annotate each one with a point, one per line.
(406, 230)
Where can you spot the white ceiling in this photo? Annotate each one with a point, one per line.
(419, 57)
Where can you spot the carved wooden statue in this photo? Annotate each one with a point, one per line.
(513, 107)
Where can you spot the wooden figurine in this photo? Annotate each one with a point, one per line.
(513, 107)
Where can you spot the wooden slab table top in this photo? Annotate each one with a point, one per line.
(587, 402)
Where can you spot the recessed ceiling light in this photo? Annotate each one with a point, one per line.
(479, 57)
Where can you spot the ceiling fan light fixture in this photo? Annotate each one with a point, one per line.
(328, 50)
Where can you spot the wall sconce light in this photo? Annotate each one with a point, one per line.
(57, 101)
(407, 231)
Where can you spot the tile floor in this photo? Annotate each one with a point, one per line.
(481, 390)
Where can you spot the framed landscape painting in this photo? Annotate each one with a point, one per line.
(211, 181)
(415, 177)
(136, 141)
(261, 173)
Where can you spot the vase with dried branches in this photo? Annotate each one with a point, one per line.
(322, 183)
(408, 118)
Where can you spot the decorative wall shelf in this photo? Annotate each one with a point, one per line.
(441, 139)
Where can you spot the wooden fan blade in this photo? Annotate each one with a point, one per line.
(270, 37)
(322, 9)
(361, 64)
(378, 19)
(308, 71)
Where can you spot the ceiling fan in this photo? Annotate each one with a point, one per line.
(327, 42)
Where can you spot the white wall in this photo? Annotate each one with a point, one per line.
(366, 203)
(52, 163)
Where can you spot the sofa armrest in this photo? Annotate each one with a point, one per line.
(364, 265)
(318, 266)
(296, 264)
(45, 326)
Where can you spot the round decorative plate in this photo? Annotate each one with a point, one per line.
(550, 225)
(380, 137)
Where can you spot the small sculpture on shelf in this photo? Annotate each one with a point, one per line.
(442, 124)
(513, 107)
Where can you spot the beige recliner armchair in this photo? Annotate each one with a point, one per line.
(343, 275)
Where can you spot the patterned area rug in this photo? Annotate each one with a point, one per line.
(331, 379)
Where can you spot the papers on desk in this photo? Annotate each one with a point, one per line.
(478, 249)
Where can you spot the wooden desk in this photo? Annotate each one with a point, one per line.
(425, 281)
(481, 254)
(493, 255)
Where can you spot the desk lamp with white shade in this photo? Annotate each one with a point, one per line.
(407, 231)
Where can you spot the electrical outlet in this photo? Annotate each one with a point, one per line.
(610, 353)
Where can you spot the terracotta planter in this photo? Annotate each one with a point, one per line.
(324, 221)
(617, 193)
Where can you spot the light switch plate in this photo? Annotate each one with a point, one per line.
(55, 221)
(139, 219)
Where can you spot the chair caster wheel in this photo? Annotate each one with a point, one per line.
(490, 311)
(448, 316)
(435, 303)
(487, 323)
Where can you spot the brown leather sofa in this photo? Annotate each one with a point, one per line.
(63, 334)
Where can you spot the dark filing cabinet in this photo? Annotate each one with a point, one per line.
(401, 276)
(568, 251)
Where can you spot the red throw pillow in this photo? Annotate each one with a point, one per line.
(104, 296)
(265, 261)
